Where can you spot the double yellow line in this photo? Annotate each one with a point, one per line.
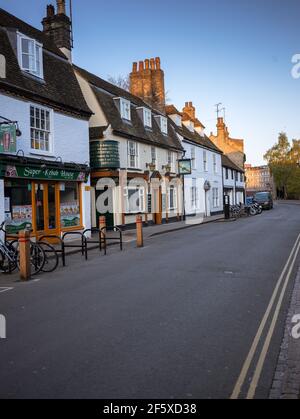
(282, 281)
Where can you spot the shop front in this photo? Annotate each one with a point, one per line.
(43, 194)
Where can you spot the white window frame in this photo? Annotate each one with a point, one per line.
(135, 154)
(215, 166)
(153, 155)
(41, 130)
(37, 56)
(164, 125)
(216, 197)
(193, 157)
(147, 118)
(171, 160)
(194, 197)
(125, 109)
(172, 189)
(205, 166)
(140, 190)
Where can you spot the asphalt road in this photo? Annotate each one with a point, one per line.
(175, 319)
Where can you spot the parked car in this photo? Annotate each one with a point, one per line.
(264, 199)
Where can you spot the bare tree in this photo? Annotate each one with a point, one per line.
(121, 81)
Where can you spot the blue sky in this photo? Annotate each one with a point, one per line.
(237, 52)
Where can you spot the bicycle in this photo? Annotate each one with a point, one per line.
(10, 255)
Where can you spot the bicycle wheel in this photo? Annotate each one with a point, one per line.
(8, 259)
(3, 264)
(51, 257)
(37, 258)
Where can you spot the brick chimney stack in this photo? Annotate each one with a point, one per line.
(58, 27)
(147, 81)
(190, 110)
(221, 126)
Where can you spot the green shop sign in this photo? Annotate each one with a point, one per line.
(28, 172)
(8, 138)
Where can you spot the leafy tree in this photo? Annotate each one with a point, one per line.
(283, 160)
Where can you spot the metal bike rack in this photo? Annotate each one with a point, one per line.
(82, 246)
(61, 250)
(92, 241)
(104, 238)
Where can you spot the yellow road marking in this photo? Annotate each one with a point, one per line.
(240, 382)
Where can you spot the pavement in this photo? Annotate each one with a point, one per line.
(197, 313)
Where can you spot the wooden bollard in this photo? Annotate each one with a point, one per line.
(24, 248)
(139, 231)
(102, 225)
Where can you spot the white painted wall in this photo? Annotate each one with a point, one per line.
(69, 135)
(144, 151)
(215, 179)
(236, 197)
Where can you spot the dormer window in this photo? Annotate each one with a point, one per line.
(30, 56)
(125, 109)
(146, 116)
(163, 124)
(190, 125)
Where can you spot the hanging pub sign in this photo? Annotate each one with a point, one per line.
(185, 167)
(8, 138)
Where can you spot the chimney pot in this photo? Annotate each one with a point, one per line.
(50, 10)
(157, 62)
(147, 64)
(61, 7)
(152, 64)
(134, 67)
(141, 66)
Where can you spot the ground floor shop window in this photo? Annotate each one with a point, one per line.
(70, 205)
(18, 205)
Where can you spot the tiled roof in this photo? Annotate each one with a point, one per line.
(97, 132)
(172, 110)
(196, 138)
(106, 92)
(59, 89)
(227, 162)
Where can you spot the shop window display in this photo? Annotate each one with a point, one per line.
(69, 205)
